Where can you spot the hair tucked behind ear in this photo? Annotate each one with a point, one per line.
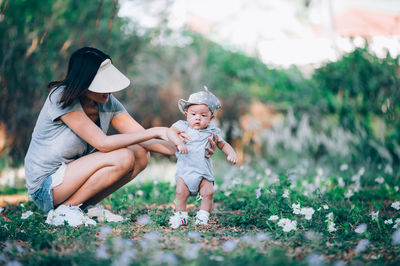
(82, 69)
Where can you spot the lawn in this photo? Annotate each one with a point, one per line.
(305, 215)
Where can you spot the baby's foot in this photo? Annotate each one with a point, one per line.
(178, 219)
(202, 217)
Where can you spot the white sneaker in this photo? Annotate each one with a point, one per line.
(73, 215)
(178, 219)
(202, 217)
(103, 214)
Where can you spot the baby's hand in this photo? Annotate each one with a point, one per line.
(232, 157)
(183, 149)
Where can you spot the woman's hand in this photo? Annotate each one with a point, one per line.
(183, 149)
(184, 137)
(213, 143)
(162, 133)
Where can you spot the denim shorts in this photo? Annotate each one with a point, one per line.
(43, 197)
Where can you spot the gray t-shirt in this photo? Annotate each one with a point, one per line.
(53, 142)
(194, 166)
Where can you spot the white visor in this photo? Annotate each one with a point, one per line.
(108, 79)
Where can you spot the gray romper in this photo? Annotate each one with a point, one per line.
(194, 166)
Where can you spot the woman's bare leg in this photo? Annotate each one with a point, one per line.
(90, 174)
(141, 161)
(207, 195)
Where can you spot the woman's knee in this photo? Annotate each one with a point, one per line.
(142, 158)
(124, 159)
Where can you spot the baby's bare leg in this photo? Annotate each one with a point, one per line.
(207, 194)
(182, 194)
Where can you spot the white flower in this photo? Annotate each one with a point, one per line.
(101, 252)
(273, 179)
(1, 209)
(150, 240)
(390, 221)
(325, 207)
(344, 167)
(258, 192)
(320, 172)
(313, 236)
(396, 205)
(296, 208)
(362, 245)
(341, 182)
(273, 218)
(374, 215)
(192, 251)
(287, 225)
(331, 224)
(388, 169)
(261, 236)
(194, 235)
(349, 193)
(379, 180)
(285, 193)
(307, 212)
(229, 245)
(140, 192)
(216, 258)
(361, 171)
(396, 238)
(339, 263)
(396, 188)
(104, 232)
(361, 228)
(267, 171)
(396, 223)
(143, 219)
(26, 214)
(331, 227)
(315, 260)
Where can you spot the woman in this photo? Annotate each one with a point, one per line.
(71, 160)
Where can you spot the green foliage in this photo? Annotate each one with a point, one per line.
(358, 92)
(37, 38)
(240, 230)
(365, 90)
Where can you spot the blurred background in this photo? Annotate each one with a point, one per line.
(302, 82)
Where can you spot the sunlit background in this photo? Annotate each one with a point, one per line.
(282, 33)
(268, 61)
(310, 95)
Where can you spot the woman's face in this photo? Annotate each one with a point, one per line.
(98, 97)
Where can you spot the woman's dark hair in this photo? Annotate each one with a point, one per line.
(82, 69)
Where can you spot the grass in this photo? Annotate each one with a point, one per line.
(239, 232)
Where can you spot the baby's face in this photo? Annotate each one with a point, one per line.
(198, 116)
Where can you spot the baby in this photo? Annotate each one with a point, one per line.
(194, 173)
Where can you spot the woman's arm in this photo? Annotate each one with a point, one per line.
(124, 123)
(81, 124)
